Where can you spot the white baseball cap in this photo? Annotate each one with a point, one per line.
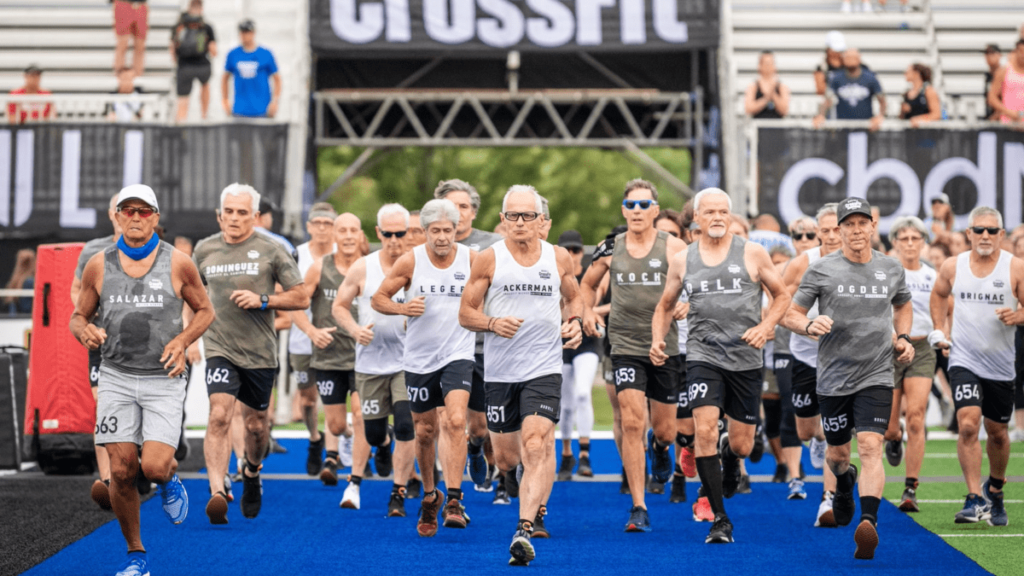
(140, 192)
(835, 41)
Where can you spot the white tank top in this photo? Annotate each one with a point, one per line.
(384, 354)
(436, 339)
(981, 343)
(298, 343)
(682, 326)
(532, 294)
(803, 348)
(920, 283)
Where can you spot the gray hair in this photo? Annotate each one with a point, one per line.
(391, 210)
(781, 249)
(538, 201)
(709, 192)
(826, 209)
(637, 184)
(545, 209)
(438, 210)
(237, 189)
(984, 211)
(802, 223)
(446, 187)
(904, 222)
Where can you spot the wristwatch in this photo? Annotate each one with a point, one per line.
(265, 299)
(905, 337)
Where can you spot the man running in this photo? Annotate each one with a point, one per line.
(380, 347)
(986, 284)
(240, 269)
(438, 358)
(723, 276)
(803, 383)
(638, 260)
(143, 284)
(862, 297)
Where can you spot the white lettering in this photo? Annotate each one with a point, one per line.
(71, 216)
(633, 25)
(736, 284)
(797, 176)
(703, 285)
(588, 21)
(507, 26)
(860, 176)
(398, 25)
(357, 23)
(666, 22)
(982, 174)
(555, 26)
(632, 277)
(453, 26)
(1013, 174)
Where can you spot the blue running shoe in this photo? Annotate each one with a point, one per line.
(975, 510)
(661, 462)
(997, 509)
(796, 490)
(175, 500)
(638, 520)
(478, 468)
(135, 565)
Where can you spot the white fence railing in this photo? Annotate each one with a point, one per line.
(158, 108)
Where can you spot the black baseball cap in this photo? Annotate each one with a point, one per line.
(247, 25)
(570, 239)
(267, 206)
(33, 69)
(852, 206)
(990, 48)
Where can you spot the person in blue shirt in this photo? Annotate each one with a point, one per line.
(253, 68)
(854, 88)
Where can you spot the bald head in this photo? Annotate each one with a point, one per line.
(851, 59)
(767, 222)
(347, 219)
(348, 234)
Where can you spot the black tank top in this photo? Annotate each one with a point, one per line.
(768, 111)
(918, 105)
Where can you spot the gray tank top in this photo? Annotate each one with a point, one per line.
(341, 353)
(724, 303)
(141, 315)
(636, 287)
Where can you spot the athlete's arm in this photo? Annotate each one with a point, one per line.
(341, 309)
(796, 316)
(320, 337)
(588, 290)
(1008, 316)
(902, 320)
(663, 312)
(399, 277)
(572, 302)
(604, 309)
(88, 302)
(191, 289)
(780, 297)
(794, 272)
(938, 304)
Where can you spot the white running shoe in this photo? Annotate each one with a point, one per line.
(1017, 435)
(826, 518)
(345, 451)
(351, 498)
(818, 448)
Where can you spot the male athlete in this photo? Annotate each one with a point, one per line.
(986, 284)
(438, 360)
(524, 283)
(723, 276)
(380, 346)
(638, 260)
(240, 269)
(862, 297)
(143, 284)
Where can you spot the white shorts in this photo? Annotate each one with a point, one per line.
(137, 409)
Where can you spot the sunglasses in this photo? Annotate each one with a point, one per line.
(643, 204)
(526, 216)
(980, 229)
(802, 235)
(142, 212)
(387, 234)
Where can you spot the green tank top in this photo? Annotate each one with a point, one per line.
(636, 288)
(341, 354)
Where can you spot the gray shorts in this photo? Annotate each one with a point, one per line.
(137, 409)
(380, 393)
(299, 363)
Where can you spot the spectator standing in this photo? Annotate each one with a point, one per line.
(767, 97)
(1006, 95)
(940, 225)
(921, 102)
(835, 44)
(192, 45)
(124, 111)
(22, 278)
(993, 58)
(253, 68)
(20, 113)
(854, 88)
(131, 20)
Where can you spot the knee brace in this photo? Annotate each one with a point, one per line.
(404, 428)
(772, 417)
(376, 431)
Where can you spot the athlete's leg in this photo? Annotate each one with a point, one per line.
(968, 450)
(893, 432)
(337, 422)
(506, 450)
(238, 431)
(807, 428)
(998, 449)
(307, 402)
(872, 473)
(837, 458)
(360, 447)
(613, 399)
(633, 409)
(477, 427)
(741, 438)
(915, 394)
(538, 439)
(453, 459)
(216, 445)
(257, 434)
(584, 371)
(405, 449)
(158, 463)
(566, 420)
(102, 460)
(427, 430)
(124, 497)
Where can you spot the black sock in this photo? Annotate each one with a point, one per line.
(474, 448)
(844, 482)
(869, 508)
(710, 470)
(728, 454)
(678, 471)
(455, 494)
(333, 455)
(584, 447)
(911, 483)
(684, 440)
(659, 446)
(996, 483)
(525, 525)
(353, 479)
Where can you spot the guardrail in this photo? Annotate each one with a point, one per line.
(158, 108)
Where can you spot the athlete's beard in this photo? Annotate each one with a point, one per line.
(716, 233)
(985, 251)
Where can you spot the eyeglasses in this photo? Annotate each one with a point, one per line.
(321, 225)
(643, 204)
(387, 234)
(980, 229)
(526, 216)
(910, 239)
(801, 235)
(130, 212)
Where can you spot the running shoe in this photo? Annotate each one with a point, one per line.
(521, 549)
(413, 488)
(350, 499)
(315, 456)
(997, 509)
(100, 493)
(731, 474)
(539, 530)
(826, 516)
(796, 490)
(276, 447)
(329, 473)
(500, 493)
(758, 450)
(454, 516)
(744, 485)
(565, 471)
(174, 500)
(584, 468)
(345, 450)
(1017, 435)
(781, 474)
(975, 510)
(678, 493)
(367, 471)
(227, 489)
(894, 450)
(702, 510)
(638, 520)
(818, 448)
(655, 487)
(396, 505)
(866, 538)
(478, 469)
(661, 462)
(843, 504)
(217, 509)
(252, 495)
(426, 525)
(688, 462)
(137, 564)
(721, 531)
(512, 481)
(908, 502)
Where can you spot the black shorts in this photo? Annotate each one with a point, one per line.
(782, 366)
(866, 410)
(683, 409)
(95, 358)
(252, 386)
(508, 403)
(995, 397)
(659, 383)
(189, 72)
(427, 391)
(334, 386)
(478, 395)
(804, 390)
(737, 393)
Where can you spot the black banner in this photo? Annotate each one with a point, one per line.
(899, 172)
(56, 180)
(349, 27)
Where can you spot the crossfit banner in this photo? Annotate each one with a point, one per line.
(350, 27)
(900, 172)
(56, 180)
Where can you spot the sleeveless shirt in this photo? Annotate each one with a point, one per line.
(801, 347)
(436, 339)
(340, 353)
(981, 343)
(636, 287)
(385, 352)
